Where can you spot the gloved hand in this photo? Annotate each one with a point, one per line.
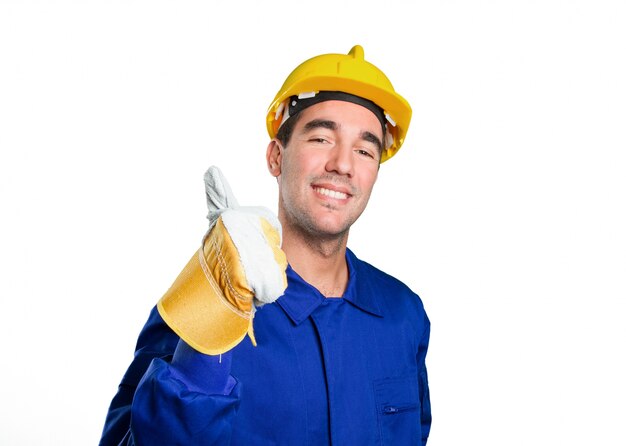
(211, 304)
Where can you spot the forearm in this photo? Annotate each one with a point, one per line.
(183, 403)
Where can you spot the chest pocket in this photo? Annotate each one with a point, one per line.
(398, 410)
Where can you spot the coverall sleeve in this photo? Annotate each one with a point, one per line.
(424, 394)
(154, 403)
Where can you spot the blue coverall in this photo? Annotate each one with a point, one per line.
(347, 371)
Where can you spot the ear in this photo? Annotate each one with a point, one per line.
(274, 157)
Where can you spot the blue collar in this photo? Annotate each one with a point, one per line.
(301, 298)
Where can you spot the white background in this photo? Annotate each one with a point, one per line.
(505, 209)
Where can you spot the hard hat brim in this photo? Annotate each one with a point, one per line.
(393, 105)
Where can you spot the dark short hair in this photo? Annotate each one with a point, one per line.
(285, 131)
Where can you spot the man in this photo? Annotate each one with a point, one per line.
(339, 357)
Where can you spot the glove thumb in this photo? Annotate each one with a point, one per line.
(219, 195)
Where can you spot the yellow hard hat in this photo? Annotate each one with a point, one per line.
(350, 74)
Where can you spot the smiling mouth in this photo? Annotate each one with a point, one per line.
(331, 193)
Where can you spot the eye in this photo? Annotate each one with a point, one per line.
(318, 140)
(364, 152)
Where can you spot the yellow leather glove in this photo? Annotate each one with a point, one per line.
(240, 264)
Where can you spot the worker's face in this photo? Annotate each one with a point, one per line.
(327, 171)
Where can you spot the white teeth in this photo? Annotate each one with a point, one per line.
(331, 193)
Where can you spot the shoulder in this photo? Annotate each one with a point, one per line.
(390, 292)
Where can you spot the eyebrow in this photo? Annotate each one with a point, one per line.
(370, 137)
(317, 123)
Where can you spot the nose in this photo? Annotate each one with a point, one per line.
(340, 160)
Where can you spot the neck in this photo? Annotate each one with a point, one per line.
(319, 261)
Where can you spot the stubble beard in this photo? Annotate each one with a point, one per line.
(300, 221)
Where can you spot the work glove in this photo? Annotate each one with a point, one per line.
(239, 267)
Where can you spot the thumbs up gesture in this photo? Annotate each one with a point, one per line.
(239, 267)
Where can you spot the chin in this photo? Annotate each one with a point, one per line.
(332, 228)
